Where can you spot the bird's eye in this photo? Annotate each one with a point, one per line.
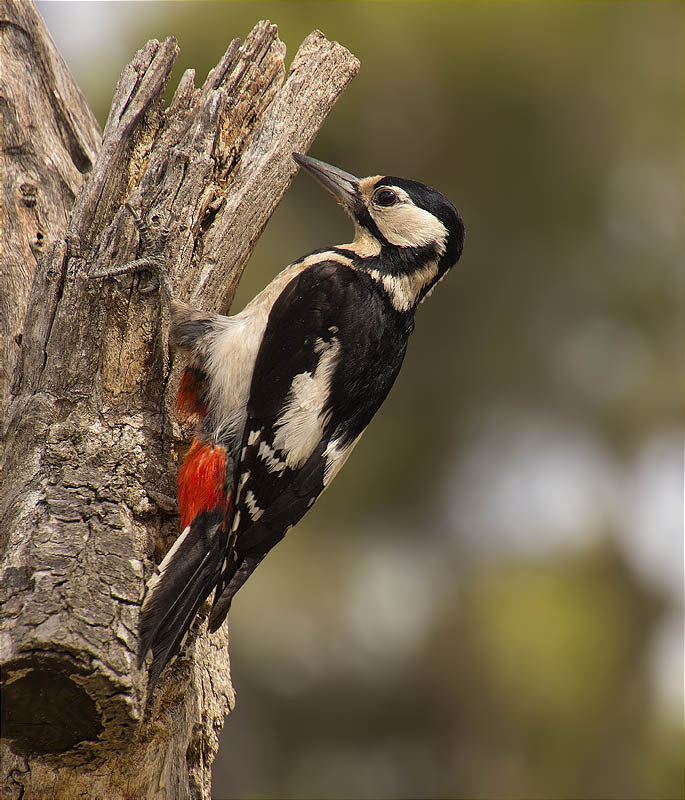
(385, 197)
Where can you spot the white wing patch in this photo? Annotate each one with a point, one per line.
(254, 510)
(300, 426)
(268, 456)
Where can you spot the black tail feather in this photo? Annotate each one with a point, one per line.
(187, 575)
(232, 581)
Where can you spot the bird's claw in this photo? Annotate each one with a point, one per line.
(153, 245)
(150, 287)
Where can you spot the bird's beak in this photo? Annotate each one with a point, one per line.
(343, 186)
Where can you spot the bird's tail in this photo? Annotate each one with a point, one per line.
(186, 577)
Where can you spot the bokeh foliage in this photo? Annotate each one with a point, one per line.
(380, 651)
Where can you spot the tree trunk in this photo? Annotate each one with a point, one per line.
(90, 444)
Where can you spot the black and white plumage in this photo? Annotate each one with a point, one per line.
(283, 390)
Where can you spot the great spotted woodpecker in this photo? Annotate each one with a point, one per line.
(283, 390)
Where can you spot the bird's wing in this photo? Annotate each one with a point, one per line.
(330, 352)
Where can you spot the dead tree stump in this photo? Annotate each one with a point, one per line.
(90, 444)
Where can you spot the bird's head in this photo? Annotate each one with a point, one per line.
(407, 235)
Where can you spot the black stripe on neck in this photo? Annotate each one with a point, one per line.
(366, 221)
(394, 260)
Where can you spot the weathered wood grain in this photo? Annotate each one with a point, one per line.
(49, 142)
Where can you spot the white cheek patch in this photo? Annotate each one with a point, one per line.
(300, 426)
(407, 225)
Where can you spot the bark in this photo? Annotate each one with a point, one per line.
(45, 158)
(90, 442)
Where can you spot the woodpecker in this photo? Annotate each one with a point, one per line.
(282, 391)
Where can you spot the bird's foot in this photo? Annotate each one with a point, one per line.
(153, 245)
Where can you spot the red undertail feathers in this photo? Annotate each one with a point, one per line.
(201, 481)
(190, 402)
(191, 569)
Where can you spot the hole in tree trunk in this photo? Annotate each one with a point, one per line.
(44, 711)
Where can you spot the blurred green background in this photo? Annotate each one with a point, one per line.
(488, 603)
